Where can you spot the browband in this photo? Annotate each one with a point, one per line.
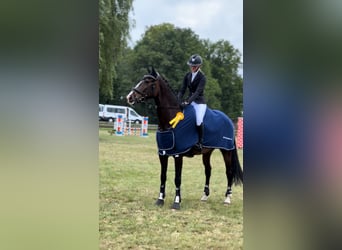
(150, 76)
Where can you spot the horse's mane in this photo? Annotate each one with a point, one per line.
(168, 85)
(153, 74)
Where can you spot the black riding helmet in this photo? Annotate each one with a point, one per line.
(195, 60)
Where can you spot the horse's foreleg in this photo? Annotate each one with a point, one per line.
(227, 156)
(178, 181)
(207, 170)
(163, 175)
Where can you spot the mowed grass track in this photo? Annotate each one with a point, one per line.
(129, 185)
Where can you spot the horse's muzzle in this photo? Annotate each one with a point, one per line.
(133, 98)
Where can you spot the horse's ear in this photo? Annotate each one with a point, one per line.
(153, 72)
(148, 70)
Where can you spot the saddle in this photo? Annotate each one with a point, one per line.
(218, 133)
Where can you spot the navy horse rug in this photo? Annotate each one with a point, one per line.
(218, 133)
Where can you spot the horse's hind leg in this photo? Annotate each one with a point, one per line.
(163, 170)
(207, 170)
(227, 157)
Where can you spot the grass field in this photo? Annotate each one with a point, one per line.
(129, 185)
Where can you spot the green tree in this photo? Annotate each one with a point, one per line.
(113, 31)
(123, 82)
(168, 48)
(225, 62)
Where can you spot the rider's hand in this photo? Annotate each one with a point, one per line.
(184, 104)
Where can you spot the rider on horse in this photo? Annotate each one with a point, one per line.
(195, 81)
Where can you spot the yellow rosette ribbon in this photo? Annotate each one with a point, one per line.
(179, 116)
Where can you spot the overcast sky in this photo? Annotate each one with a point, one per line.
(209, 19)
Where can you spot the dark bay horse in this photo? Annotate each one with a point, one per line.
(154, 86)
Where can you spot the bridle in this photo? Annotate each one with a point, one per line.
(144, 95)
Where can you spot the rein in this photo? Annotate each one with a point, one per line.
(169, 107)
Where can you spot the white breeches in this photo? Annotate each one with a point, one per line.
(200, 112)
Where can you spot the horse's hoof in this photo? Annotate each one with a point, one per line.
(159, 203)
(176, 206)
(204, 197)
(227, 200)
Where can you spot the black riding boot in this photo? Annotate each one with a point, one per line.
(199, 144)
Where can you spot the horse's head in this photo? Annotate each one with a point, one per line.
(145, 89)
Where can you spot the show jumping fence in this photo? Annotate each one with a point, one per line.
(239, 133)
(122, 127)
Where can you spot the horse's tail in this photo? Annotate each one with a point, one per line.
(236, 167)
